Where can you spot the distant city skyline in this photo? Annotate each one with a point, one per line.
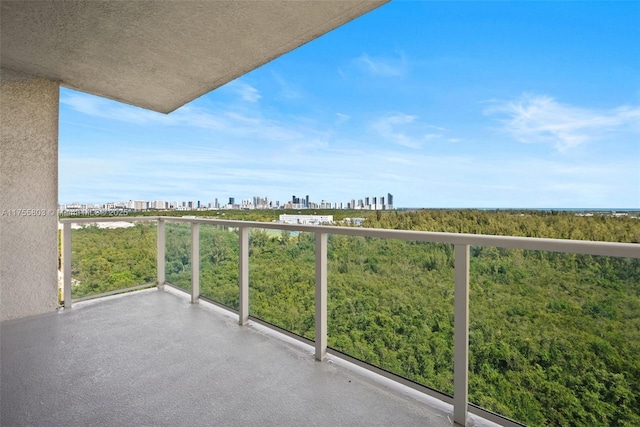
(256, 202)
(443, 104)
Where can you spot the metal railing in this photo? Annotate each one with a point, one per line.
(461, 242)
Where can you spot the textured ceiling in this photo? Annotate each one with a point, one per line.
(157, 54)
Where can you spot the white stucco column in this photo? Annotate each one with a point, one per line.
(28, 195)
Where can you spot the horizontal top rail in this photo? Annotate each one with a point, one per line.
(585, 247)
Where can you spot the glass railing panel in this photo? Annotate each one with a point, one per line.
(282, 279)
(555, 338)
(110, 256)
(219, 247)
(178, 254)
(390, 304)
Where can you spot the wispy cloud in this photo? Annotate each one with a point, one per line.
(287, 89)
(342, 118)
(100, 107)
(393, 128)
(382, 66)
(540, 118)
(202, 171)
(223, 120)
(406, 130)
(245, 91)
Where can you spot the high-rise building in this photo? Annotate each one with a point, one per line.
(232, 200)
(140, 205)
(390, 200)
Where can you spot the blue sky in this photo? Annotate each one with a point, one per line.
(442, 104)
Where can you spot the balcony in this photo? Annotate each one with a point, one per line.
(186, 361)
(151, 358)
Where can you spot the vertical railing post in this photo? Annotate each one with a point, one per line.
(461, 336)
(321, 296)
(66, 264)
(195, 262)
(160, 253)
(243, 276)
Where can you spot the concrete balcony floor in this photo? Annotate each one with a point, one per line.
(150, 358)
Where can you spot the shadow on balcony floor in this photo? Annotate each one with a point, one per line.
(150, 358)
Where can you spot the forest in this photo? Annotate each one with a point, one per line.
(554, 338)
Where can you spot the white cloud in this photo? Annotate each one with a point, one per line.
(247, 92)
(102, 107)
(387, 67)
(389, 127)
(405, 129)
(249, 124)
(190, 115)
(287, 90)
(540, 118)
(438, 128)
(342, 118)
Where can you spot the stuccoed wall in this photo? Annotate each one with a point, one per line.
(28, 195)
